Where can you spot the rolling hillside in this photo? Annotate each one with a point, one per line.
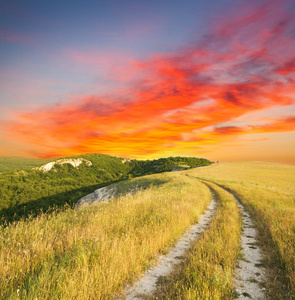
(66, 180)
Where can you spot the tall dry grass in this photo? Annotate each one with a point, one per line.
(92, 253)
(209, 267)
(268, 191)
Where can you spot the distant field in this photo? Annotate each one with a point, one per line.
(11, 164)
(93, 252)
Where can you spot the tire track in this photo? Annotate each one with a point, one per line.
(250, 274)
(147, 285)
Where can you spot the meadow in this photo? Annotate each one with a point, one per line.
(95, 251)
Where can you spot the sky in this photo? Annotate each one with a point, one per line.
(148, 79)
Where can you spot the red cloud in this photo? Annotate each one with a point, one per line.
(288, 67)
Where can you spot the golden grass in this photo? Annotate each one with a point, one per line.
(209, 267)
(268, 191)
(92, 253)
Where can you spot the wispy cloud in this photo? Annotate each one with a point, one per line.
(16, 37)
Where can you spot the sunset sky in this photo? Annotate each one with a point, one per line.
(148, 79)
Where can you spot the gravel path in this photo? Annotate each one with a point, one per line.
(147, 285)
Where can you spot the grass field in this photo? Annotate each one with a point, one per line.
(14, 163)
(93, 252)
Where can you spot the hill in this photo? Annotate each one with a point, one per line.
(66, 180)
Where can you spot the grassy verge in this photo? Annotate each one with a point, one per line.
(268, 192)
(208, 269)
(93, 252)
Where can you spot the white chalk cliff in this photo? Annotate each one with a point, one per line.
(75, 162)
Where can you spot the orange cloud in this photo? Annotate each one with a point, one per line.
(278, 125)
(175, 103)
